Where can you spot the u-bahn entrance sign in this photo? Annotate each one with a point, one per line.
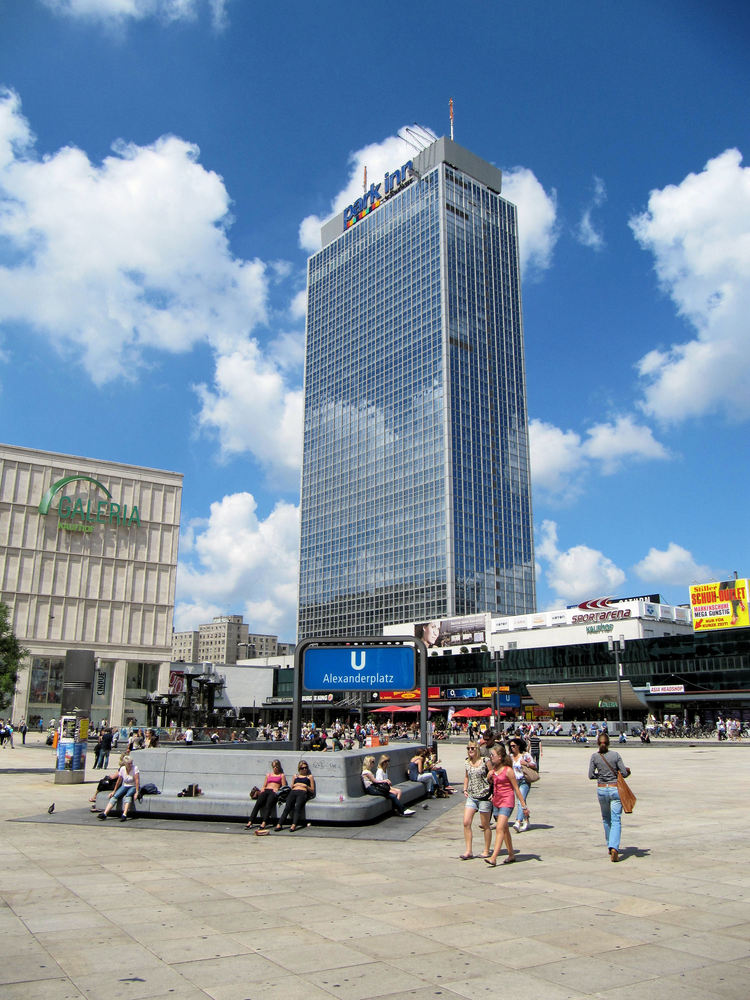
(359, 663)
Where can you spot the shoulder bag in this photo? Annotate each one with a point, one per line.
(627, 797)
(530, 773)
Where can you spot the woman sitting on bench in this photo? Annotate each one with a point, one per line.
(303, 788)
(383, 787)
(265, 804)
(127, 787)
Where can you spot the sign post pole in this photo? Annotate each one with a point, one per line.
(423, 700)
(616, 647)
(499, 655)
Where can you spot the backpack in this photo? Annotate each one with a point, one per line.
(190, 792)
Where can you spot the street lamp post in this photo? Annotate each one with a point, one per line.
(499, 655)
(616, 648)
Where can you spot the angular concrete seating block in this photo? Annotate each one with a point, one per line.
(227, 776)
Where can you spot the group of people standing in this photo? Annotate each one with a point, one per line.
(496, 781)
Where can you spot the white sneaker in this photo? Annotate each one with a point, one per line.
(408, 812)
(524, 826)
(517, 826)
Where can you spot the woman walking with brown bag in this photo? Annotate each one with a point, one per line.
(604, 767)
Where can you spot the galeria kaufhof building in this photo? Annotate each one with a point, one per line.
(88, 560)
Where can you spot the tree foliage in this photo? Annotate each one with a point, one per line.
(11, 654)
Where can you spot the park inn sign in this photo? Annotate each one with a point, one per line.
(82, 514)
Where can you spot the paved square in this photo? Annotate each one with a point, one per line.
(125, 911)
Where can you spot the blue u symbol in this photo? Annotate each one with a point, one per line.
(355, 654)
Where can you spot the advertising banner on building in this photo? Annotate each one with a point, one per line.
(453, 631)
(460, 693)
(487, 692)
(432, 692)
(719, 605)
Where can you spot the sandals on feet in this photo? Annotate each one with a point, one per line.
(510, 861)
(490, 862)
(465, 857)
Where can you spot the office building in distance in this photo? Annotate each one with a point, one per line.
(416, 500)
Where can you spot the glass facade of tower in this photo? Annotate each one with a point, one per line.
(415, 486)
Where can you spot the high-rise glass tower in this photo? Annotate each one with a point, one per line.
(416, 501)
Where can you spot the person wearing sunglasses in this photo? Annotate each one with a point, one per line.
(303, 788)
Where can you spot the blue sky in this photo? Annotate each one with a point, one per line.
(164, 165)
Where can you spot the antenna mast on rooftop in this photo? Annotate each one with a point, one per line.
(450, 104)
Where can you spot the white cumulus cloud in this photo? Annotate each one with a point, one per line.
(559, 457)
(252, 408)
(235, 562)
(587, 232)
(699, 234)
(110, 260)
(674, 566)
(556, 459)
(579, 573)
(610, 444)
(117, 12)
(537, 218)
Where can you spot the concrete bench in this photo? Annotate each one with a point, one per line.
(227, 776)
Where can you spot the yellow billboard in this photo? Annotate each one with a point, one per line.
(719, 605)
(487, 692)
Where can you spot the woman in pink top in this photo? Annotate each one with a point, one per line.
(505, 790)
(265, 804)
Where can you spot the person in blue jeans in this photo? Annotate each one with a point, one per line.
(127, 787)
(105, 748)
(604, 767)
(520, 756)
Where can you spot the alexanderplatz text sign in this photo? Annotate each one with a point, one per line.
(360, 663)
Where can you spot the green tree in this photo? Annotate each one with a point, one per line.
(11, 654)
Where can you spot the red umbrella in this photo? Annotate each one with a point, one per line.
(472, 713)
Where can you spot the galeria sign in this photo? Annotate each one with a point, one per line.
(81, 515)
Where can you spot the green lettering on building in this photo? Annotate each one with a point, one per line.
(73, 516)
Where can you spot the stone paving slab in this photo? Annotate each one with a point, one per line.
(157, 909)
(393, 828)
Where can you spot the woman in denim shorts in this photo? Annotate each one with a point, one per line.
(477, 794)
(505, 789)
